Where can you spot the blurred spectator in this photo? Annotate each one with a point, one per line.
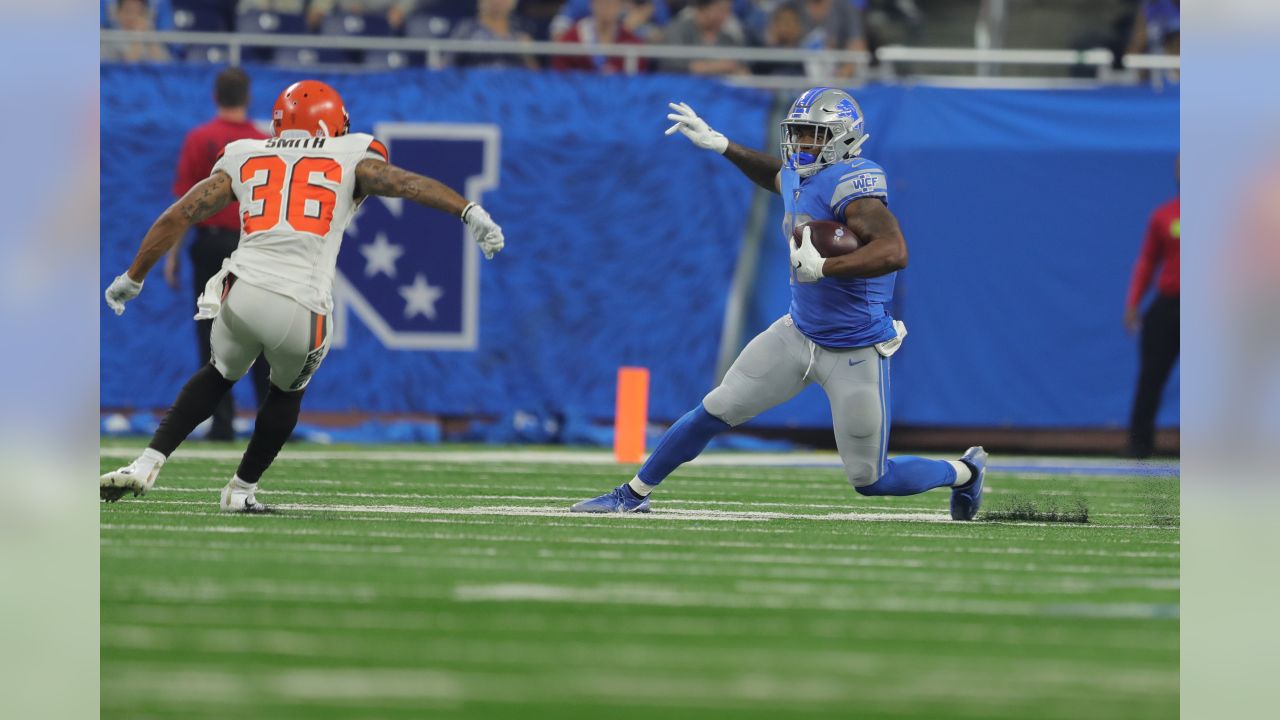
(267, 17)
(283, 7)
(134, 15)
(705, 24)
(643, 18)
(493, 21)
(1160, 325)
(217, 237)
(741, 8)
(395, 11)
(161, 14)
(540, 15)
(1156, 29)
(756, 16)
(454, 10)
(438, 18)
(785, 30)
(204, 15)
(603, 25)
(1112, 31)
(833, 25)
(891, 22)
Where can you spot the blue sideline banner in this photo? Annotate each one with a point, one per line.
(1023, 211)
(621, 242)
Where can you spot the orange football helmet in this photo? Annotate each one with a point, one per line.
(312, 106)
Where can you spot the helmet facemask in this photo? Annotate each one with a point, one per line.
(807, 147)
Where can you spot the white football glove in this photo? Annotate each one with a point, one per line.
(122, 290)
(483, 229)
(688, 123)
(805, 259)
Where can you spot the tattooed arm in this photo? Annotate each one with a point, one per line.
(376, 177)
(200, 203)
(761, 168)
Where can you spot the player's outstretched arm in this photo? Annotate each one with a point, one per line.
(884, 250)
(200, 203)
(377, 177)
(761, 168)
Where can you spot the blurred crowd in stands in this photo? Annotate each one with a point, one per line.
(1151, 26)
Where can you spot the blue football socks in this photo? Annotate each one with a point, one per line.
(683, 442)
(909, 475)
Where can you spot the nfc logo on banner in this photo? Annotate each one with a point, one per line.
(412, 274)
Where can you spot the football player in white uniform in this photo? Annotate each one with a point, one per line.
(297, 192)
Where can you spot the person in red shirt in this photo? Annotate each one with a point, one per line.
(1160, 325)
(217, 237)
(602, 26)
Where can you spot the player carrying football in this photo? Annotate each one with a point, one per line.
(837, 332)
(297, 192)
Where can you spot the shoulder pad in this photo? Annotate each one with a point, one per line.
(854, 179)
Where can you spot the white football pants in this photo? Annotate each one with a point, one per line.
(255, 321)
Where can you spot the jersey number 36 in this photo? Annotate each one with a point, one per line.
(307, 207)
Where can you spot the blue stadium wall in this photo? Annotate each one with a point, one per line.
(1023, 211)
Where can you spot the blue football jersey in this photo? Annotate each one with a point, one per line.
(833, 312)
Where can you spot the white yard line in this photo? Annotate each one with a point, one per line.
(567, 499)
(673, 514)
(590, 522)
(938, 574)
(203, 686)
(570, 499)
(603, 457)
(675, 683)
(775, 594)
(632, 542)
(639, 595)
(514, 620)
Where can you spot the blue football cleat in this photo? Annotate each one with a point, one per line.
(621, 499)
(967, 498)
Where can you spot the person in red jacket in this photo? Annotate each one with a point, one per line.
(602, 26)
(1160, 325)
(217, 237)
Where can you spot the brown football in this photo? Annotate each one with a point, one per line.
(832, 239)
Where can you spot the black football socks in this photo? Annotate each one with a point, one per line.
(276, 419)
(194, 404)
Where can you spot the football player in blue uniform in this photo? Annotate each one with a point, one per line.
(837, 332)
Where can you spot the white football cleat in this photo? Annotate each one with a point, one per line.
(237, 496)
(137, 477)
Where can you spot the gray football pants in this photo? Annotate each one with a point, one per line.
(780, 362)
(255, 321)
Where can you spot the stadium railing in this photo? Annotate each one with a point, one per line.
(888, 60)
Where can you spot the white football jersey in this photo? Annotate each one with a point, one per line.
(297, 196)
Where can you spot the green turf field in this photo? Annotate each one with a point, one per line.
(410, 583)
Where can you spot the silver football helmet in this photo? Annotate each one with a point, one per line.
(835, 122)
